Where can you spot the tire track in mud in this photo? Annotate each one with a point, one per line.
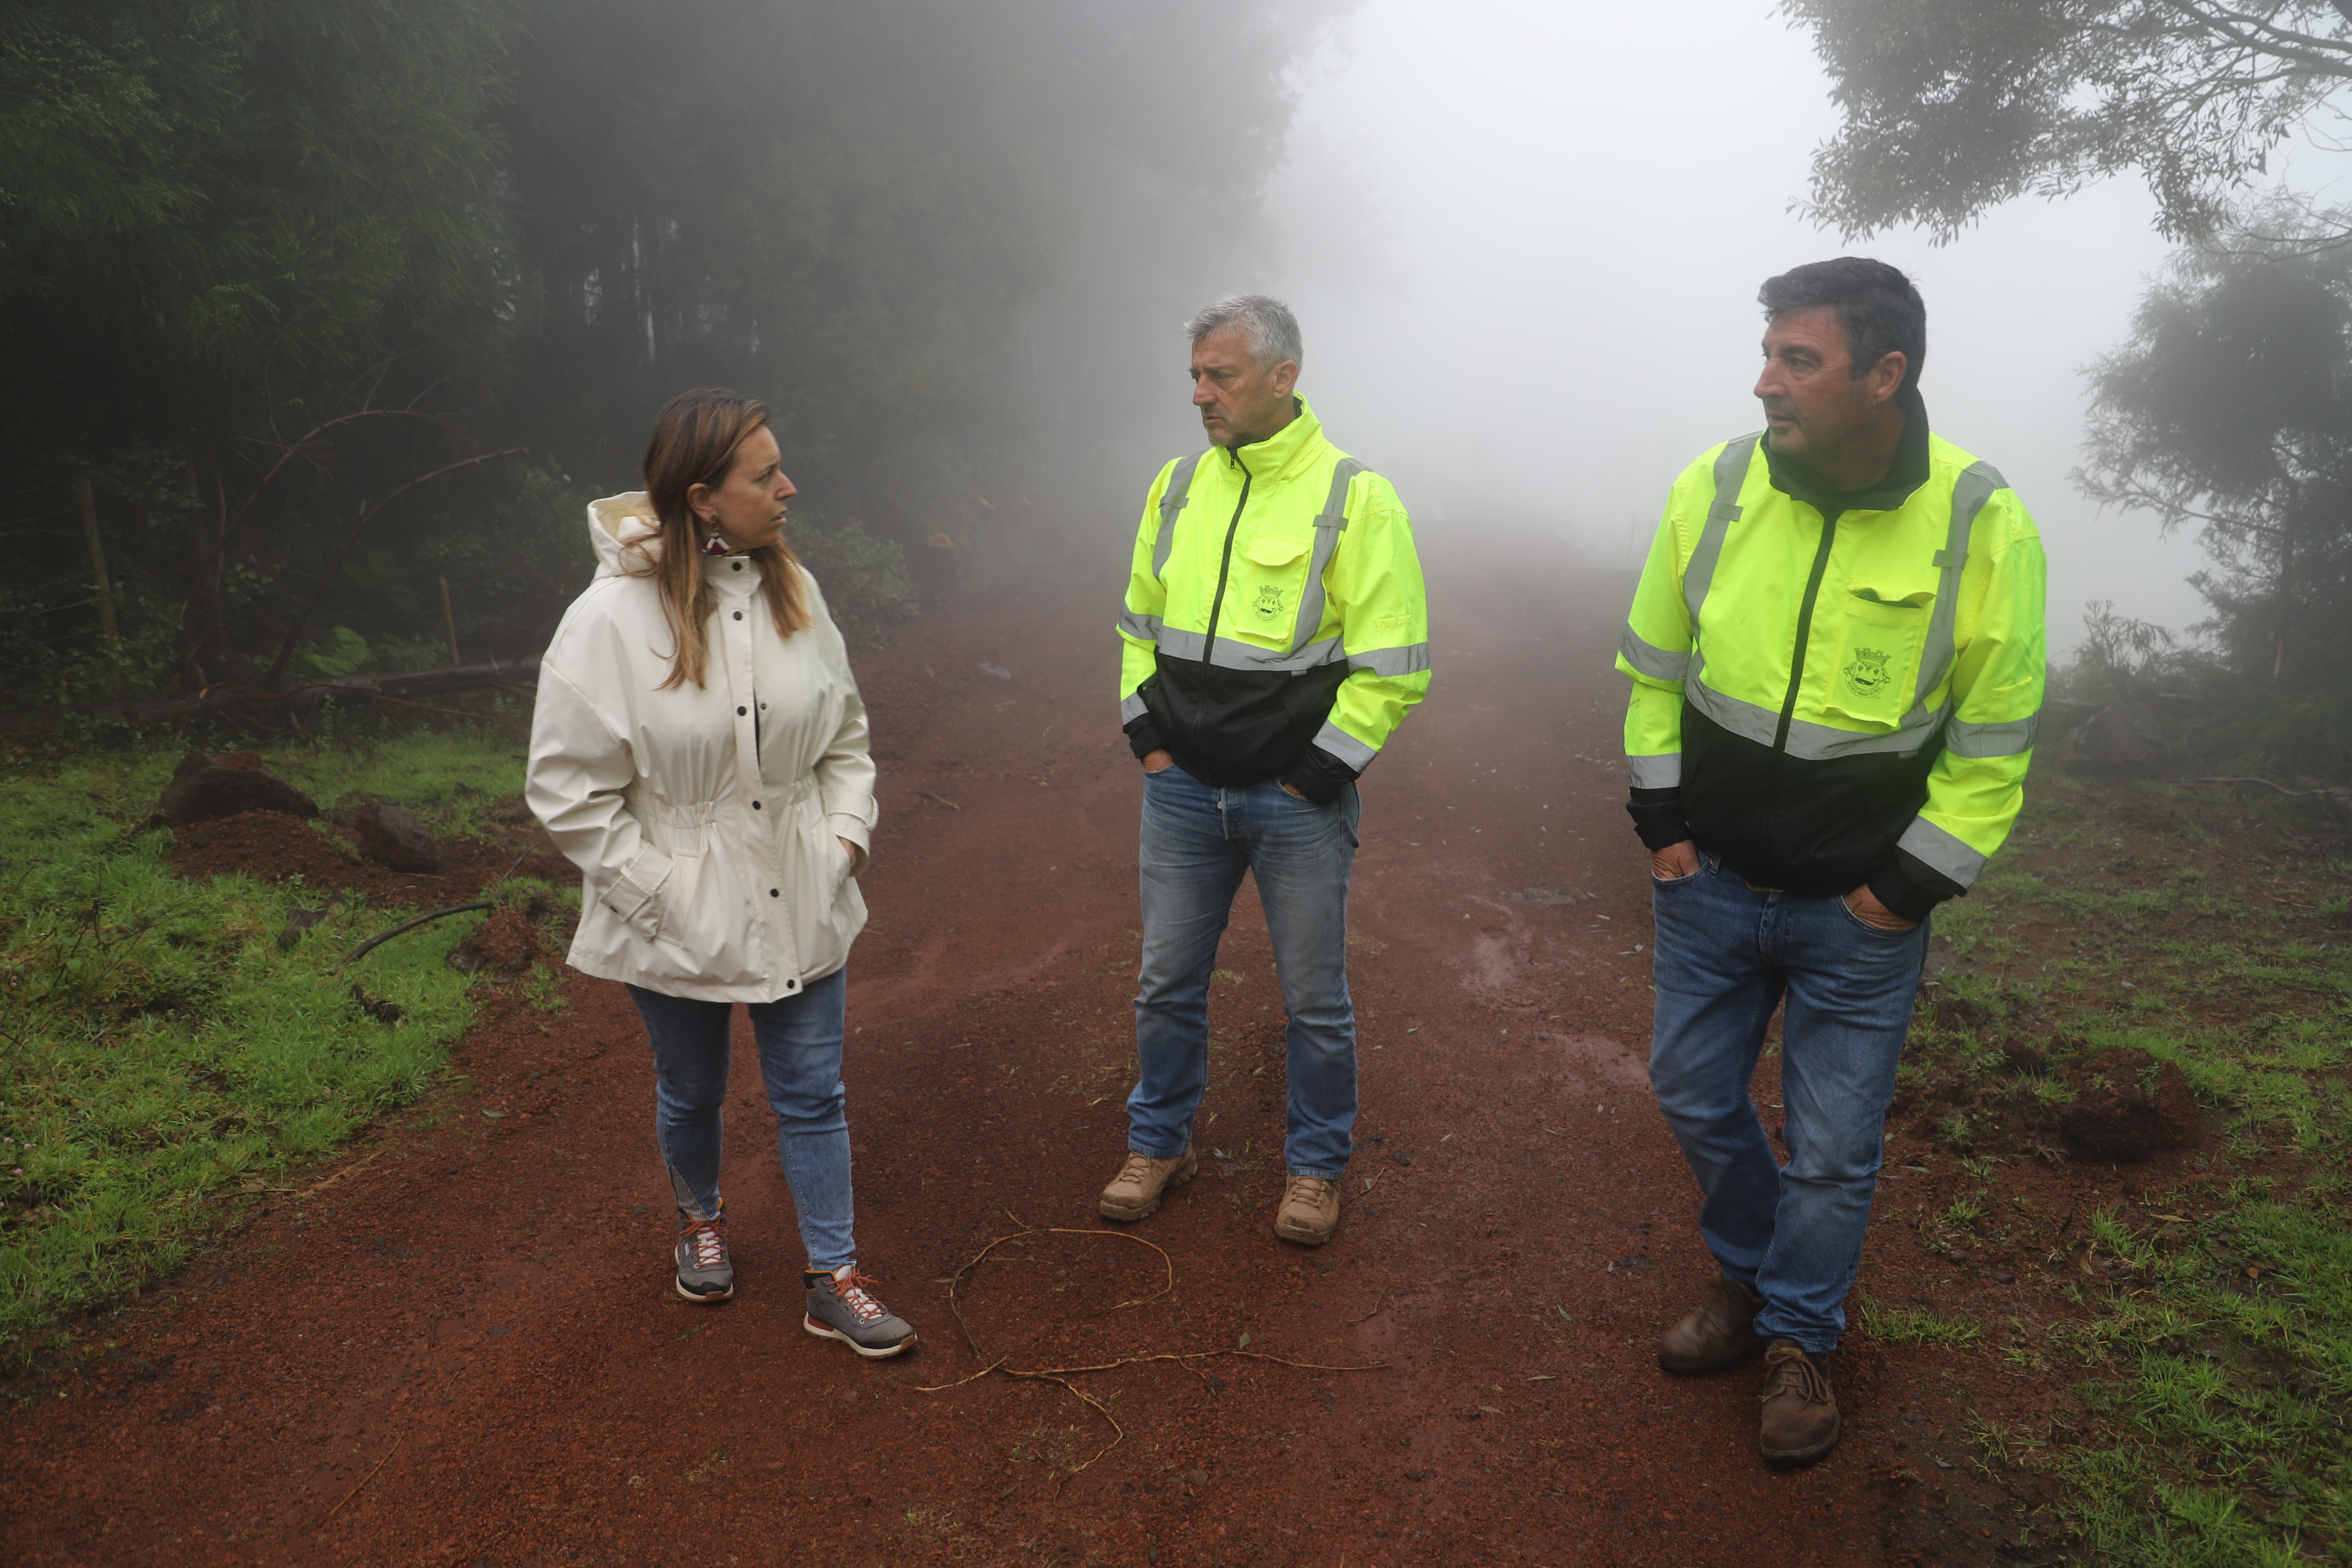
(487, 1304)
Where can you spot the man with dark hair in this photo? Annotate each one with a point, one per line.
(1274, 634)
(1836, 652)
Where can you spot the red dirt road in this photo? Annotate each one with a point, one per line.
(472, 1325)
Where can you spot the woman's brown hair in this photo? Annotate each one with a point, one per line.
(694, 443)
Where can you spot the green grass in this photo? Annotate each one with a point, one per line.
(1917, 1326)
(160, 1050)
(2218, 1368)
(2235, 1413)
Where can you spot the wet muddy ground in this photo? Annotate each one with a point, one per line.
(460, 1346)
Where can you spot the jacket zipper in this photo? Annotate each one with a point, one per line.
(1225, 565)
(1805, 627)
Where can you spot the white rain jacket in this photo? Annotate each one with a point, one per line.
(706, 821)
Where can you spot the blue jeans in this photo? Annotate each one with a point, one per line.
(1197, 841)
(1727, 955)
(800, 1058)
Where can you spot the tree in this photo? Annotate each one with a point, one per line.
(222, 227)
(264, 263)
(1952, 107)
(2229, 409)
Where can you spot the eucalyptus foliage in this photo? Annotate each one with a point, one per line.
(2230, 411)
(1952, 107)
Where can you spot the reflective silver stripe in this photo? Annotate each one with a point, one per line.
(1651, 659)
(1142, 628)
(1329, 523)
(1344, 746)
(1172, 501)
(2011, 737)
(1813, 742)
(1927, 842)
(1131, 707)
(1731, 466)
(1975, 487)
(1663, 771)
(1391, 660)
(1231, 654)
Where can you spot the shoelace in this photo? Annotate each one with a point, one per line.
(1798, 1371)
(852, 1292)
(1308, 1187)
(1138, 1168)
(709, 1242)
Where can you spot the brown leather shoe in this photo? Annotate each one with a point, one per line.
(1143, 1182)
(1310, 1212)
(1801, 1414)
(1715, 1334)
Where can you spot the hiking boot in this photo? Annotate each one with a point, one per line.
(1715, 1334)
(1143, 1182)
(840, 1309)
(1801, 1414)
(705, 1272)
(1310, 1212)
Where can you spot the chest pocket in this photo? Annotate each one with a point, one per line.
(1265, 600)
(1876, 678)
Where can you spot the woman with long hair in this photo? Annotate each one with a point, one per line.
(699, 752)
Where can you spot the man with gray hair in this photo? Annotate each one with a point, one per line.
(1275, 632)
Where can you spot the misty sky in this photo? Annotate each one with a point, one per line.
(1524, 243)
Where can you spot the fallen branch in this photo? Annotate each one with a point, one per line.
(428, 708)
(296, 700)
(1062, 1374)
(427, 918)
(2333, 799)
(327, 1182)
(364, 1480)
(2290, 793)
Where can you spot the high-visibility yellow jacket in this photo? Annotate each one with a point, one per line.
(1833, 689)
(1276, 623)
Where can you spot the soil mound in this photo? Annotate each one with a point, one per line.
(205, 788)
(505, 943)
(389, 835)
(2115, 1116)
(277, 848)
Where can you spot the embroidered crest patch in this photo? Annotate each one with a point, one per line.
(1867, 675)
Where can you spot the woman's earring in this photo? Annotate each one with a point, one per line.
(717, 543)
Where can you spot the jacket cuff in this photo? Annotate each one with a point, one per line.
(1143, 736)
(1319, 776)
(854, 830)
(1657, 817)
(634, 891)
(1911, 888)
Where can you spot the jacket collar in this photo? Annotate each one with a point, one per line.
(1907, 474)
(1279, 454)
(615, 521)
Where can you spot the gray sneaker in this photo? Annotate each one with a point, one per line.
(705, 1272)
(840, 1309)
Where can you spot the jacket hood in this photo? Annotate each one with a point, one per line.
(617, 521)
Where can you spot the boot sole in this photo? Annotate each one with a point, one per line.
(1305, 1237)
(871, 1352)
(725, 1295)
(1181, 1174)
(1798, 1459)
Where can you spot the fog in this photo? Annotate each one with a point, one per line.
(1524, 244)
